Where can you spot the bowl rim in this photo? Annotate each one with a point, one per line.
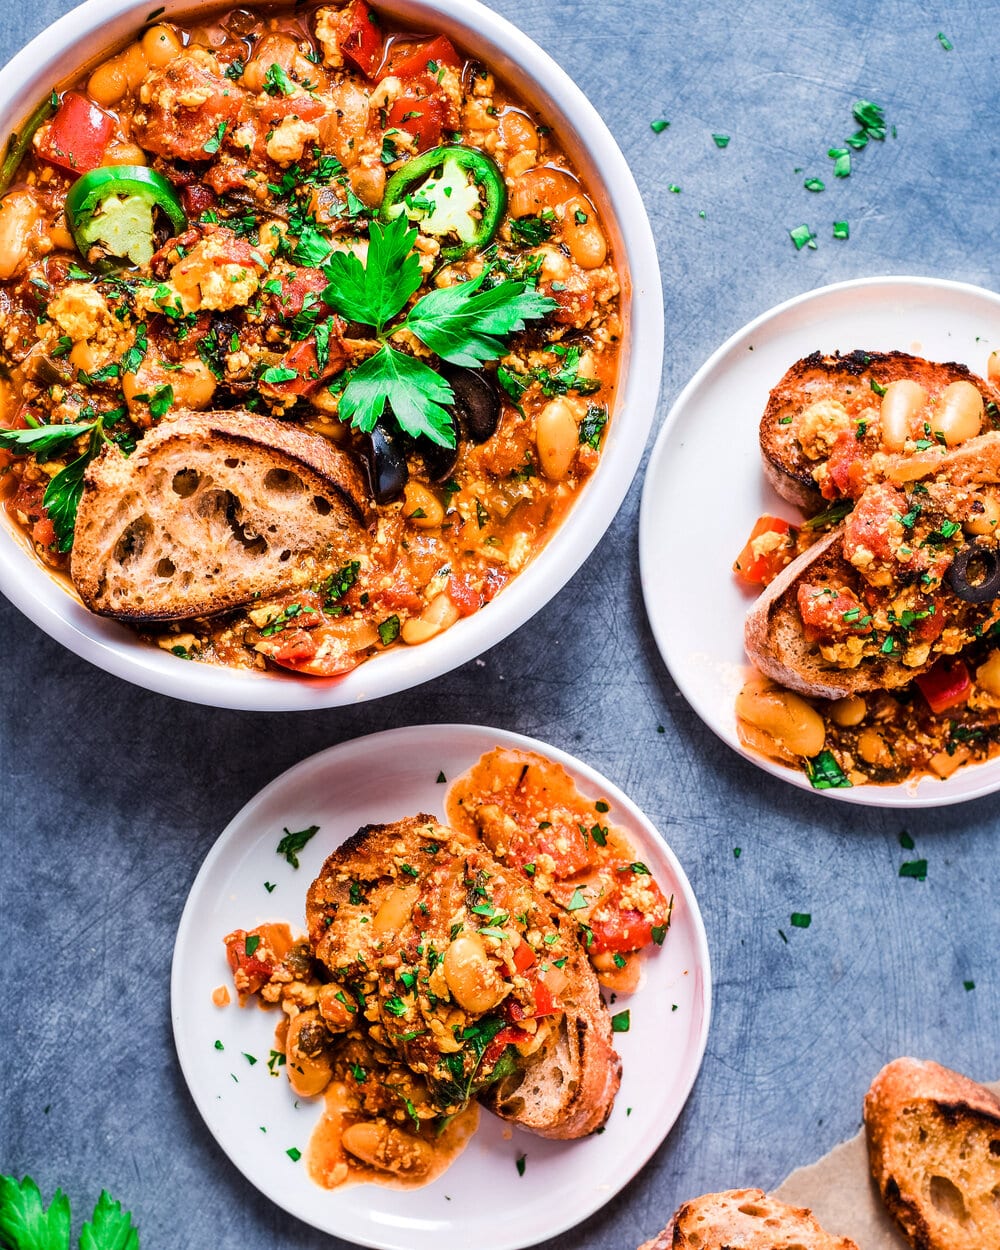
(96, 25)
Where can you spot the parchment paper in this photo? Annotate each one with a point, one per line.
(840, 1192)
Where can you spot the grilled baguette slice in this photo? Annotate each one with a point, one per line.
(400, 887)
(934, 1150)
(210, 512)
(818, 377)
(744, 1219)
(776, 644)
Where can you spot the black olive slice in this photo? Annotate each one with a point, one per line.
(477, 402)
(984, 583)
(438, 461)
(385, 460)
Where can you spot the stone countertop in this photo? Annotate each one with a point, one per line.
(112, 796)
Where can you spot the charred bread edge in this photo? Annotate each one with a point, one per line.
(799, 487)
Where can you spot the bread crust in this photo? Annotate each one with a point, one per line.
(579, 1061)
(907, 1091)
(786, 466)
(744, 1219)
(119, 492)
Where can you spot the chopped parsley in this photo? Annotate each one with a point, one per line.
(825, 773)
(620, 1022)
(519, 1163)
(292, 843)
(802, 237)
(801, 919)
(212, 145)
(915, 868)
(294, 1153)
(388, 630)
(721, 141)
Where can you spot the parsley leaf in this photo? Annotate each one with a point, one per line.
(292, 843)
(63, 493)
(312, 248)
(110, 1228)
(419, 396)
(276, 80)
(44, 440)
(463, 323)
(374, 292)
(25, 1224)
(825, 773)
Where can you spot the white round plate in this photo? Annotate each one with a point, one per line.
(481, 1199)
(704, 488)
(88, 31)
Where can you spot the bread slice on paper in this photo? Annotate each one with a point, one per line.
(744, 1219)
(934, 1150)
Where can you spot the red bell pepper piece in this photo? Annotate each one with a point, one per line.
(413, 59)
(758, 570)
(362, 43)
(77, 138)
(524, 957)
(946, 684)
(423, 118)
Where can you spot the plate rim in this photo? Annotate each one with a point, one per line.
(904, 795)
(499, 737)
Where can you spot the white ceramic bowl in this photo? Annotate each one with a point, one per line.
(80, 38)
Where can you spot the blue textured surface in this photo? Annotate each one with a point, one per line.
(111, 797)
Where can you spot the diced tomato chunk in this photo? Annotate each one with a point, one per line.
(509, 1036)
(296, 288)
(625, 918)
(545, 1002)
(524, 957)
(945, 685)
(411, 60)
(361, 40)
(254, 955)
(421, 117)
(463, 595)
(769, 548)
(197, 199)
(874, 526)
(829, 613)
(44, 532)
(77, 138)
(296, 647)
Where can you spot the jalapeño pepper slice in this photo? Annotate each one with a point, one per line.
(450, 191)
(113, 206)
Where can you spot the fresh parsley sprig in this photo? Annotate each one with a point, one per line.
(26, 1223)
(462, 324)
(62, 495)
(45, 441)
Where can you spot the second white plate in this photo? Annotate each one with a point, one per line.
(482, 1198)
(704, 488)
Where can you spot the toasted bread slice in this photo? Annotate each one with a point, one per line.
(384, 914)
(934, 1150)
(776, 644)
(848, 381)
(210, 512)
(744, 1219)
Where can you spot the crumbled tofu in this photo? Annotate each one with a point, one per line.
(288, 140)
(80, 311)
(818, 426)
